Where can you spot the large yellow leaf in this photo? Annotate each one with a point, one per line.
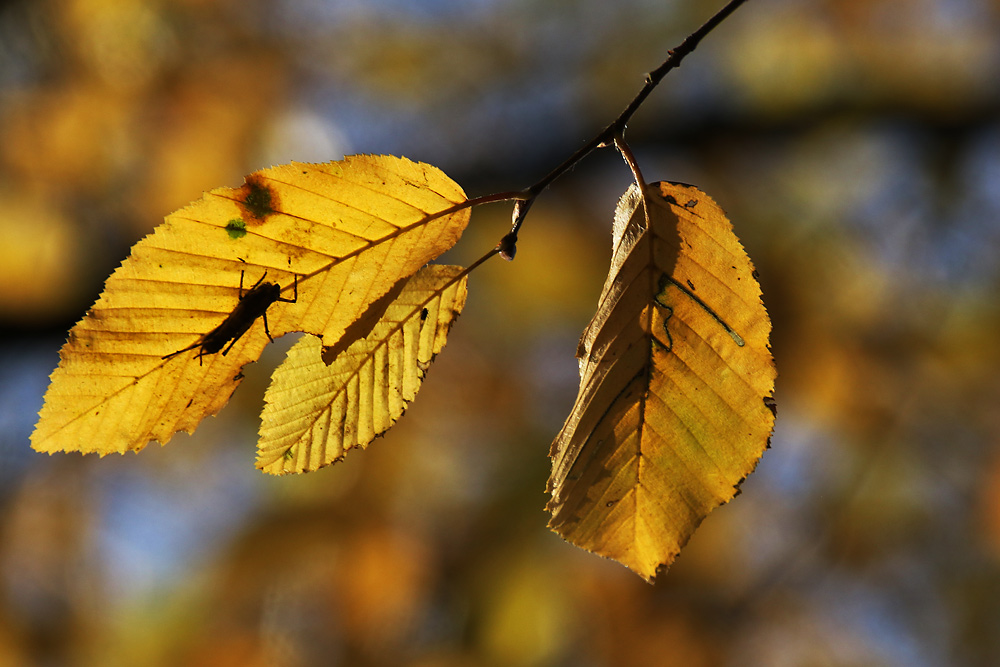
(336, 237)
(315, 413)
(675, 404)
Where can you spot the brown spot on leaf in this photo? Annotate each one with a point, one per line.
(256, 200)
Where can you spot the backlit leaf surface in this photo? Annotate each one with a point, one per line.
(343, 234)
(675, 406)
(316, 413)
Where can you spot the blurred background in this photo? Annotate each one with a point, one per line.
(855, 145)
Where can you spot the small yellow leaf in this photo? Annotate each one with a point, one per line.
(314, 413)
(675, 406)
(328, 239)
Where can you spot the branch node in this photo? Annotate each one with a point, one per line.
(508, 246)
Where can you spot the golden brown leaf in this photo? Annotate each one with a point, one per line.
(340, 235)
(675, 405)
(315, 413)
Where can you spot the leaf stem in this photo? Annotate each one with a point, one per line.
(479, 261)
(517, 196)
(632, 163)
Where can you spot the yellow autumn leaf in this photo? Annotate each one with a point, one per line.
(315, 413)
(309, 247)
(675, 405)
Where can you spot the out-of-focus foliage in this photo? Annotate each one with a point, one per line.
(856, 145)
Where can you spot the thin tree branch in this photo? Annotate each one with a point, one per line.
(607, 136)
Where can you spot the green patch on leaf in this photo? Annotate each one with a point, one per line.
(237, 228)
(258, 200)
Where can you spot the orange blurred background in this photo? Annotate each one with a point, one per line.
(855, 145)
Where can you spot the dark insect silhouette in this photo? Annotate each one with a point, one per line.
(251, 305)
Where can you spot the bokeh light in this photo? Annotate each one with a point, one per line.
(855, 145)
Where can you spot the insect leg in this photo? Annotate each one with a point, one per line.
(174, 354)
(266, 330)
(230, 346)
(252, 286)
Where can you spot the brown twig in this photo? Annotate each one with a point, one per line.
(606, 137)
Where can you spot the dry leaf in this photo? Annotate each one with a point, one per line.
(675, 404)
(335, 237)
(315, 413)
